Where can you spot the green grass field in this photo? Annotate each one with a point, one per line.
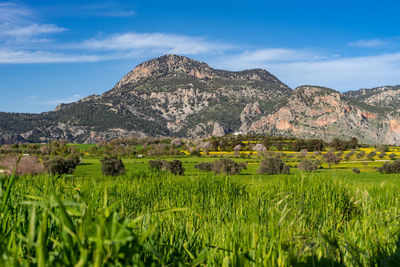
(83, 147)
(332, 217)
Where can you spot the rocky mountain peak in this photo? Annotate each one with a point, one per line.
(167, 64)
(174, 66)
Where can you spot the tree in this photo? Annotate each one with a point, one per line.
(112, 166)
(204, 166)
(27, 165)
(353, 143)
(228, 166)
(273, 166)
(331, 158)
(307, 165)
(174, 166)
(390, 167)
(60, 165)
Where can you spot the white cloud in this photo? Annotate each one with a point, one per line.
(31, 30)
(24, 40)
(13, 13)
(154, 43)
(25, 57)
(259, 58)
(337, 73)
(107, 9)
(17, 27)
(373, 43)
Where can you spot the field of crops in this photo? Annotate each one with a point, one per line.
(326, 218)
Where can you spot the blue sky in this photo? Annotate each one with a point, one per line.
(60, 51)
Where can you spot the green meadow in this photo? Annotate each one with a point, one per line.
(328, 217)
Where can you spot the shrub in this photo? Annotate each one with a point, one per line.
(356, 170)
(371, 155)
(195, 153)
(60, 165)
(317, 153)
(307, 165)
(273, 166)
(382, 155)
(392, 156)
(174, 166)
(112, 166)
(331, 158)
(361, 154)
(204, 166)
(27, 165)
(349, 155)
(303, 153)
(156, 164)
(227, 166)
(390, 167)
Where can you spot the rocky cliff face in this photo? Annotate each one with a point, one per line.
(387, 97)
(324, 113)
(177, 96)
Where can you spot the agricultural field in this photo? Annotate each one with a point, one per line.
(332, 216)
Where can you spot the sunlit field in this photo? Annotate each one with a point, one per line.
(327, 217)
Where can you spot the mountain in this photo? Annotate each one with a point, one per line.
(387, 97)
(180, 97)
(167, 96)
(318, 112)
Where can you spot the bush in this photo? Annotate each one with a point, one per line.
(307, 165)
(390, 167)
(112, 166)
(356, 170)
(228, 166)
(204, 166)
(392, 156)
(195, 153)
(174, 166)
(331, 158)
(156, 164)
(27, 165)
(371, 155)
(361, 154)
(60, 165)
(349, 155)
(273, 166)
(382, 155)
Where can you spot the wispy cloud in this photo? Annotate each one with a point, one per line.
(330, 71)
(154, 43)
(24, 40)
(29, 57)
(30, 30)
(17, 28)
(373, 43)
(14, 13)
(261, 57)
(109, 9)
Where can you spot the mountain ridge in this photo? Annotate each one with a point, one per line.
(179, 97)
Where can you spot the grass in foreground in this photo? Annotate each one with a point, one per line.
(147, 218)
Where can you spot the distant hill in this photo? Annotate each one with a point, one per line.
(387, 97)
(180, 97)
